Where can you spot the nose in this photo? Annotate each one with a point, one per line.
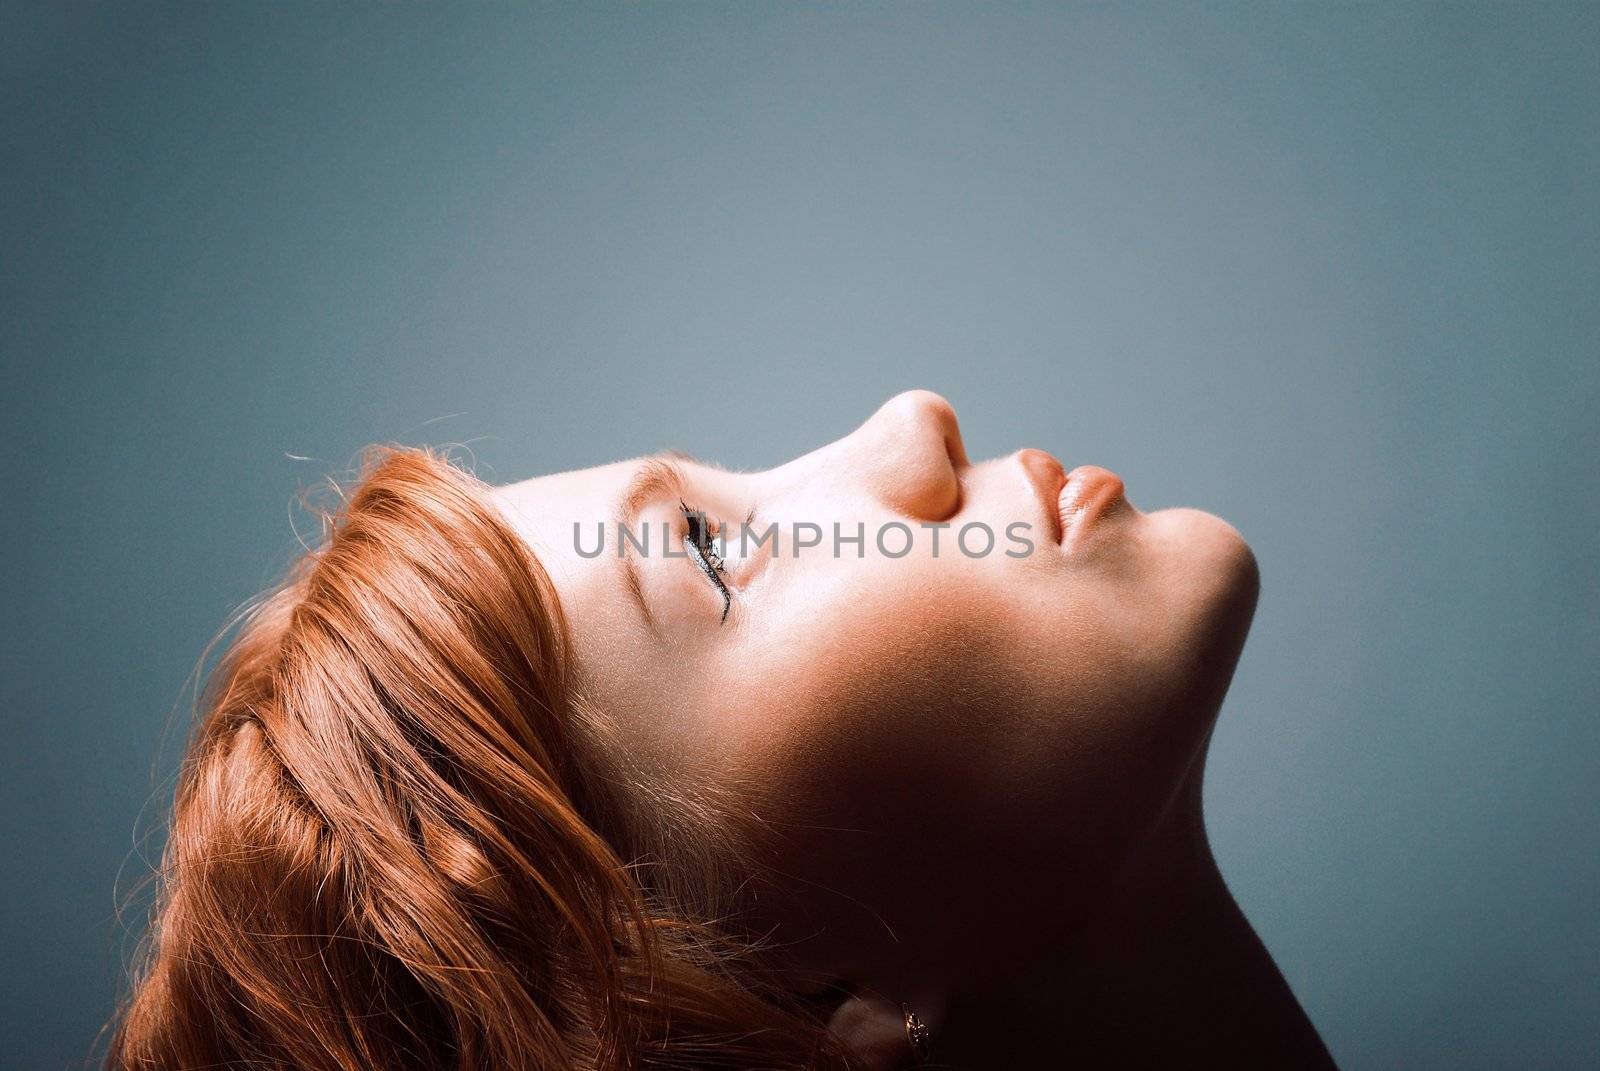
(911, 452)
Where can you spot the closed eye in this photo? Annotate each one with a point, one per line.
(698, 542)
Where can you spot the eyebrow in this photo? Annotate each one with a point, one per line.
(658, 476)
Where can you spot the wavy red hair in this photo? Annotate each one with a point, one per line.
(399, 840)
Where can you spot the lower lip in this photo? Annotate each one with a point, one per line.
(1089, 494)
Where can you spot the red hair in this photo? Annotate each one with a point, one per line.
(399, 840)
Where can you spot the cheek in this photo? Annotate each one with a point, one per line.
(861, 661)
(905, 685)
(918, 728)
(864, 737)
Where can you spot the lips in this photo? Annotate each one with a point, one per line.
(1090, 493)
(1072, 502)
(1049, 478)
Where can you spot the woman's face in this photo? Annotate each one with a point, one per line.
(918, 719)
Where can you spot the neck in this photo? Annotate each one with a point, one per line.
(1166, 970)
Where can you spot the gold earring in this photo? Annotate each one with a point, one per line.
(916, 1034)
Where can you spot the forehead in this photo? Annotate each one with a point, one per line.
(618, 663)
(605, 628)
(544, 510)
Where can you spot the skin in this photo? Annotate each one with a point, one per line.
(978, 777)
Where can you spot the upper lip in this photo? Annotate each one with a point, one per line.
(1048, 476)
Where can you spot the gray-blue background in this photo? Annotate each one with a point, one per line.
(1329, 272)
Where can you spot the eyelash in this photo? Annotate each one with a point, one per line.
(698, 543)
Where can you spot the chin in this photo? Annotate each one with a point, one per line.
(1216, 578)
(1213, 552)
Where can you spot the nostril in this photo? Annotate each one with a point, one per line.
(943, 415)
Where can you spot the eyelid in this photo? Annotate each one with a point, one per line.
(711, 574)
(697, 556)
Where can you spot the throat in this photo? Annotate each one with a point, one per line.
(1165, 971)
